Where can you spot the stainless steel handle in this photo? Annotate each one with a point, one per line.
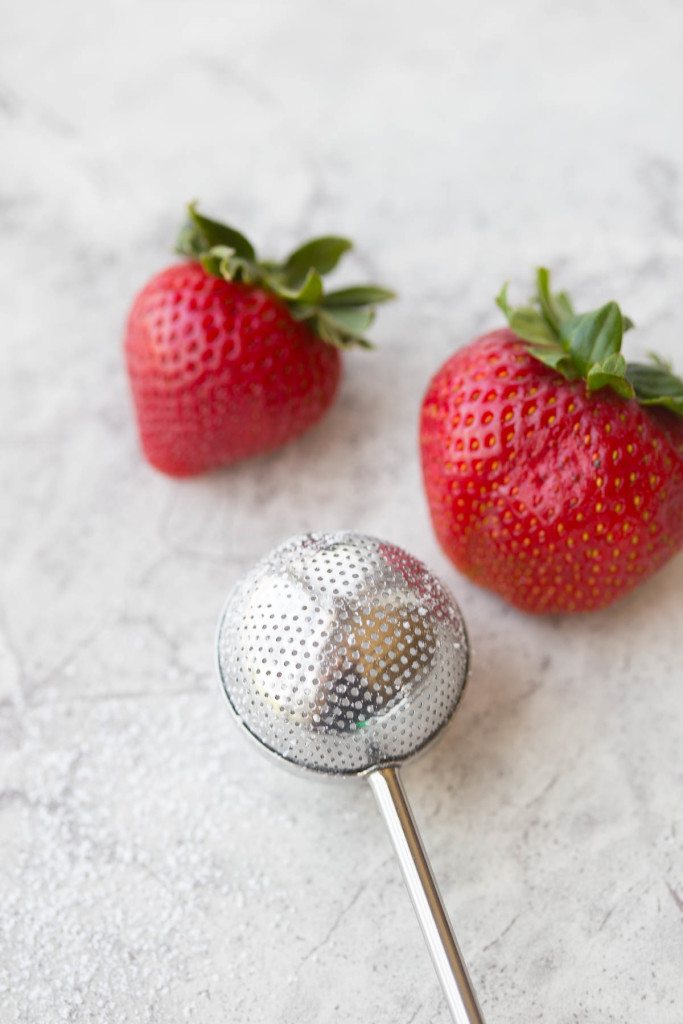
(431, 913)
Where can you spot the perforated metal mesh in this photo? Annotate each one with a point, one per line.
(340, 652)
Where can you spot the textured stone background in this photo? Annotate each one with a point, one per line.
(153, 870)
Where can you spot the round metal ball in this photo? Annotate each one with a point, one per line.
(340, 653)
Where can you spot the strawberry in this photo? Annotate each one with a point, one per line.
(554, 468)
(229, 356)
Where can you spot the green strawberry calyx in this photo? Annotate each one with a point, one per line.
(587, 346)
(339, 317)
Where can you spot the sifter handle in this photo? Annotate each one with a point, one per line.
(431, 913)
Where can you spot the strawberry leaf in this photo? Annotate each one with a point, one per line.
(656, 385)
(576, 345)
(321, 254)
(339, 318)
(555, 308)
(309, 291)
(588, 346)
(593, 337)
(527, 322)
(355, 321)
(201, 234)
(358, 295)
(556, 358)
(530, 325)
(336, 333)
(610, 373)
(503, 302)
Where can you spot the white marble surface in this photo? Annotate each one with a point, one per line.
(153, 870)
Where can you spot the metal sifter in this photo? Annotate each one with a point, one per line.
(343, 655)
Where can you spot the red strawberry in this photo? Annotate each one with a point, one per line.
(554, 469)
(228, 356)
